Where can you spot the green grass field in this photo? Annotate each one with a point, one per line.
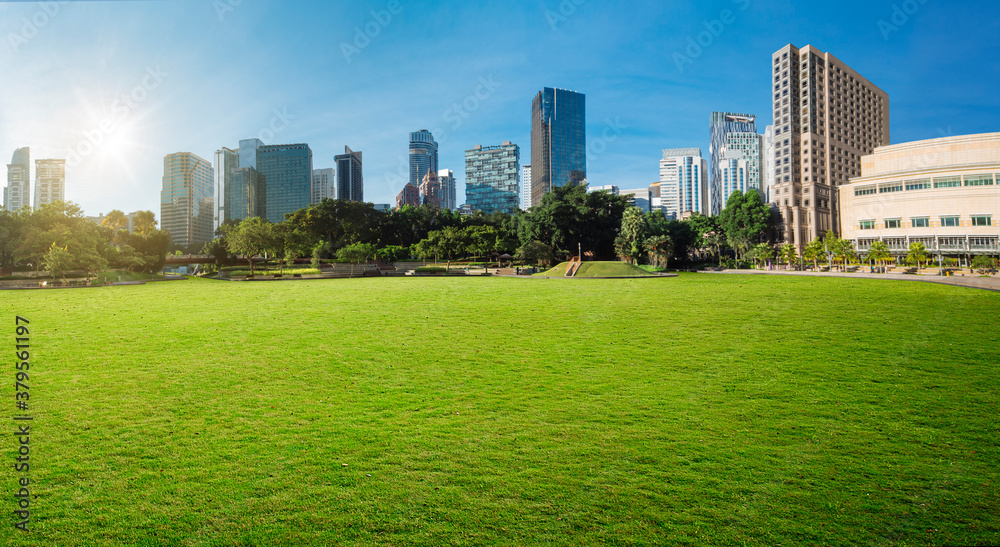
(696, 410)
(596, 269)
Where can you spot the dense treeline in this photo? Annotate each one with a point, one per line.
(57, 237)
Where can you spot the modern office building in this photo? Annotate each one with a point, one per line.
(350, 179)
(409, 195)
(446, 178)
(430, 190)
(324, 185)
(640, 197)
(187, 207)
(683, 183)
(382, 207)
(50, 181)
(525, 189)
(248, 152)
(17, 193)
(492, 175)
(423, 155)
(736, 157)
(768, 163)
(240, 192)
(287, 171)
(944, 193)
(609, 188)
(558, 141)
(826, 117)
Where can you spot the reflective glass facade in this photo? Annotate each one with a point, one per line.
(558, 141)
(423, 155)
(187, 201)
(492, 177)
(736, 147)
(350, 179)
(287, 170)
(17, 193)
(246, 194)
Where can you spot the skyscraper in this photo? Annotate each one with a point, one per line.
(17, 193)
(240, 192)
(446, 178)
(558, 141)
(409, 195)
(525, 189)
(287, 170)
(187, 207)
(492, 174)
(826, 117)
(736, 153)
(430, 190)
(50, 181)
(683, 183)
(423, 155)
(324, 185)
(350, 180)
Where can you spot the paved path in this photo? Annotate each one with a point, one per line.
(971, 281)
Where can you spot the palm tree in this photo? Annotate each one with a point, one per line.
(788, 254)
(813, 252)
(145, 222)
(116, 220)
(879, 252)
(717, 240)
(762, 252)
(918, 254)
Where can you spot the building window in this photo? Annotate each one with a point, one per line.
(920, 222)
(892, 223)
(921, 184)
(982, 220)
(867, 224)
(978, 180)
(891, 187)
(949, 221)
(864, 190)
(947, 182)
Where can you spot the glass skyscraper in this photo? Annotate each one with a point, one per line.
(240, 192)
(187, 203)
(683, 183)
(491, 177)
(423, 155)
(558, 141)
(350, 179)
(17, 193)
(287, 170)
(446, 178)
(736, 156)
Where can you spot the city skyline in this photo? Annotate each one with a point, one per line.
(114, 87)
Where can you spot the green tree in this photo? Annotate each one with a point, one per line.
(879, 252)
(788, 254)
(252, 237)
(917, 254)
(57, 261)
(116, 221)
(144, 223)
(392, 253)
(813, 252)
(634, 232)
(716, 240)
(761, 253)
(983, 263)
(568, 217)
(536, 252)
(356, 253)
(744, 220)
(659, 248)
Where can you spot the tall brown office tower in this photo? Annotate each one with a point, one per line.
(826, 116)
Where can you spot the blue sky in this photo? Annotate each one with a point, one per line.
(146, 78)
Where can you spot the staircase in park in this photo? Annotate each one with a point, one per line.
(574, 265)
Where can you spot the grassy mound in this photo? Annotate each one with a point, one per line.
(326, 412)
(597, 269)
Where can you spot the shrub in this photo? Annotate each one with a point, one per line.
(430, 269)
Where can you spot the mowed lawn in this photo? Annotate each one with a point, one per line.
(697, 410)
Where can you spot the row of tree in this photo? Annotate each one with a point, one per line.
(58, 237)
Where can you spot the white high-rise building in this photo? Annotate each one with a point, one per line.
(324, 185)
(769, 164)
(50, 181)
(684, 183)
(641, 197)
(525, 187)
(17, 193)
(446, 179)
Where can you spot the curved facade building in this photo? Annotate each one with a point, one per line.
(423, 156)
(944, 193)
